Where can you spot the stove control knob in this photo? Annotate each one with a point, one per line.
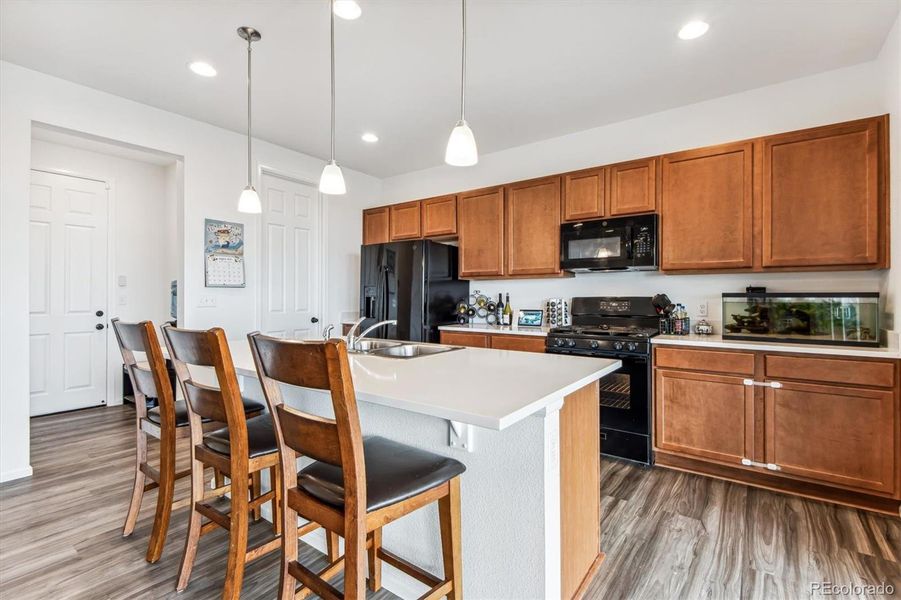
(632, 347)
(594, 344)
(558, 342)
(617, 345)
(571, 343)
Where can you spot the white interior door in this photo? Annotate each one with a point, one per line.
(67, 291)
(291, 258)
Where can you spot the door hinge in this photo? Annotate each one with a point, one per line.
(772, 384)
(751, 463)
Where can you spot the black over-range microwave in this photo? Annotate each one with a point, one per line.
(618, 244)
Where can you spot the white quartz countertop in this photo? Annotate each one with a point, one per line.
(497, 329)
(717, 341)
(477, 386)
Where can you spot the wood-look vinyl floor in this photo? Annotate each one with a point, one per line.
(667, 535)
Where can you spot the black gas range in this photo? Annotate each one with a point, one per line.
(621, 328)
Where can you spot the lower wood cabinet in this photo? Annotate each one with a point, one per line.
(827, 427)
(471, 340)
(496, 341)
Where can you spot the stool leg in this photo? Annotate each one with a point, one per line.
(275, 484)
(449, 516)
(354, 559)
(287, 584)
(194, 522)
(256, 488)
(164, 496)
(237, 537)
(375, 563)
(331, 544)
(137, 494)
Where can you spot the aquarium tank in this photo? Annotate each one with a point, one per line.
(811, 318)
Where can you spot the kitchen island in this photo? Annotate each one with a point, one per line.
(526, 427)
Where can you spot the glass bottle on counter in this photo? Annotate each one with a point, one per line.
(508, 312)
(500, 309)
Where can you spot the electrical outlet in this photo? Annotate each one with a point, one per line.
(207, 302)
(702, 309)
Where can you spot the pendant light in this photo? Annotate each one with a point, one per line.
(332, 180)
(249, 202)
(461, 146)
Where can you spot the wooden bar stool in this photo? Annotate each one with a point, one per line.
(240, 451)
(357, 485)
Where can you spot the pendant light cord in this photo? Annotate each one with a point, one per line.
(249, 79)
(332, 15)
(463, 69)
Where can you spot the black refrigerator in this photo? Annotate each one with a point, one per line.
(414, 283)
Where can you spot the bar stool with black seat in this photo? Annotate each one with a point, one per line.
(241, 451)
(356, 485)
(167, 422)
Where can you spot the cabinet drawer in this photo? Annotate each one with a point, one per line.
(712, 361)
(472, 340)
(831, 370)
(517, 342)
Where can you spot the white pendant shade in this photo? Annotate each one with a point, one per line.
(347, 9)
(461, 146)
(332, 180)
(249, 202)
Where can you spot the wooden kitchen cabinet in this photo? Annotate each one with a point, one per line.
(439, 216)
(480, 221)
(704, 415)
(835, 434)
(824, 199)
(707, 208)
(533, 227)
(633, 187)
(470, 340)
(523, 343)
(405, 221)
(584, 194)
(375, 225)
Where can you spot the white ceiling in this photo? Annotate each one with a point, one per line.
(537, 69)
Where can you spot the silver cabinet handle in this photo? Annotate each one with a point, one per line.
(772, 384)
(750, 463)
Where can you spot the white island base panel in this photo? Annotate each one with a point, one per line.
(511, 496)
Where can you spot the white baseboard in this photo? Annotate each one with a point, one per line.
(13, 474)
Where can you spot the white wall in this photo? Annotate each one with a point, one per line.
(214, 175)
(889, 66)
(829, 97)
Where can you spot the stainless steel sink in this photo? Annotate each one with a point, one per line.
(413, 350)
(368, 346)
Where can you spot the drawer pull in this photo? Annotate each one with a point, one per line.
(772, 384)
(750, 463)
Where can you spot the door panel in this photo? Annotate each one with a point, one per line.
(405, 221)
(67, 286)
(533, 227)
(375, 225)
(481, 229)
(834, 434)
(584, 194)
(703, 415)
(707, 208)
(439, 216)
(291, 260)
(633, 187)
(821, 196)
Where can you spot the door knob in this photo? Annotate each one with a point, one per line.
(98, 326)
(99, 313)
(314, 320)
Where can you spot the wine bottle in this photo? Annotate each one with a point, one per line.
(500, 309)
(508, 311)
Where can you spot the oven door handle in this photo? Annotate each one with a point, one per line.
(637, 359)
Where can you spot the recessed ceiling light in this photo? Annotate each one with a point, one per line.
(369, 137)
(201, 68)
(347, 9)
(693, 30)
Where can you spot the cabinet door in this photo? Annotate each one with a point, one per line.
(375, 225)
(835, 434)
(533, 227)
(822, 196)
(707, 209)
(439, 216)
(522, 343)
(633, 187)
(704, 415)
(406, 222)
(472, 340)
(480, 219)
(583, 194)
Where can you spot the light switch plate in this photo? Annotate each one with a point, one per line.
(123, 281)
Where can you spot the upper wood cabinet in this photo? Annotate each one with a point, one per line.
(480, 221)
(633, 187)
(406, 222)
(707, 208)
(584, 194)
(533, 227)
(375, 225)
(439, 216)
(834, 434)
(823, 200)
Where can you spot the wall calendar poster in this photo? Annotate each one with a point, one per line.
(223, 253)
